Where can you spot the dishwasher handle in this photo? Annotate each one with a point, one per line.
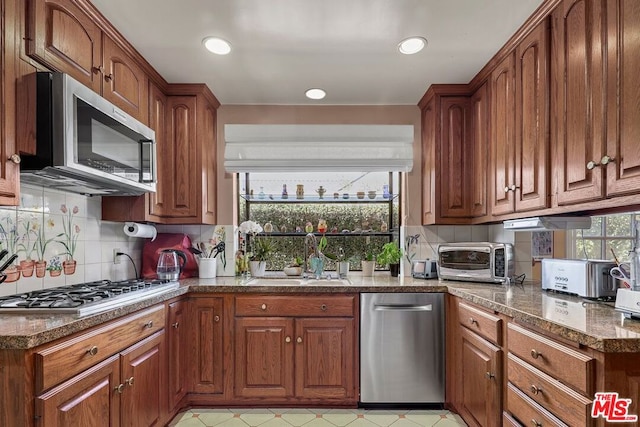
(402, 307)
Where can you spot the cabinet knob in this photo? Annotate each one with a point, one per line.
(299, 340)
(93, 351)
(15, 158)
(323, 307)
(216, 318)
(108, 77)
(287, 339)
(535, 390)
(605, 160)
(97, 70)
(149, 324)
(130, 382)
(175, 325)
(263, 306)
(511, 187)
(473, 321)
(535, 354)
(489, 375)
(506, 189)
(119, 388)
(535, 423)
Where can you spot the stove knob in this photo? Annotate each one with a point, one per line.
(92, 351)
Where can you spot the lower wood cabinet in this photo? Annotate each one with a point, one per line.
(296, 349)
(177, 330)
(125, 389)
(206, 345)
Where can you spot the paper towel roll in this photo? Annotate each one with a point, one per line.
(133, 229)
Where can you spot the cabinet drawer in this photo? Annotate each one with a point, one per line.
(527, 411)
(77, 353)
(573, 408)
(311, 306)
(561, 362)
(481, 322)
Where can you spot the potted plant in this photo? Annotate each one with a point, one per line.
(294, 268)
(390, 256)
(55, 267)
(368, 263)
(261, 249)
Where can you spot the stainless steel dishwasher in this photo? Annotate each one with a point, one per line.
(401, 348)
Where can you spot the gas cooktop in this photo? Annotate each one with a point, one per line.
(84, 298)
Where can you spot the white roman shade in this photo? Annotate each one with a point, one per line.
(288, 148)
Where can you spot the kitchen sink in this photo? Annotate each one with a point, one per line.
(297, 281)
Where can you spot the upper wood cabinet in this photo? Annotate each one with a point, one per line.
(64, 37)
(479, 140)
(623, 96)
(9, 170)
(185, 125)
(447, 161)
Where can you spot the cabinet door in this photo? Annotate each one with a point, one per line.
(454, 157)
(183, 174)
(143, 395)
(124, 82)
(502, 137)
(428, 162)
(532, 133)
(264, 357)
(577, 109)
(88, 399)
(623, 93)
(207, 133)
(206, 345)
(324, 361)
(481, 379)
(176, 353)
(157, 122)
(479, 141)
(64, 38)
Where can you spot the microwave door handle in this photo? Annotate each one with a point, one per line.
(152, 160)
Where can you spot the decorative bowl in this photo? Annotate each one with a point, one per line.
(292, 271)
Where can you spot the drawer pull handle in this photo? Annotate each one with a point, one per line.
(216, 318)
(536, 423)
(299, 340)
(93, 351)
(473, 321)
(175, 325)
(535, 354)
(108, 77)
(323, 307)
(287, 339)
(489, 375)
(149, 324)
(98, 69)
(130, 382)
(15, 158)
(119, 388)
(535, 390)
(263, 306)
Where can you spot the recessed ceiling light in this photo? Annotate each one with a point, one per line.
(412, 45)
(315, 93)
(217, 45)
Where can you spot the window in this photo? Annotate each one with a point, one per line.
(361, 209)
(608, 235)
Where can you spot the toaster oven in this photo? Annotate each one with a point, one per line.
(476, 261)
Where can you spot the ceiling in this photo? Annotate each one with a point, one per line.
(347, 47)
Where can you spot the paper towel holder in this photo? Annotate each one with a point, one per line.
(133, 229)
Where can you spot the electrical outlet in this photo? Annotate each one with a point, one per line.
(116, 257)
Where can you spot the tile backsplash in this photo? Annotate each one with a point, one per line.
(60, 240)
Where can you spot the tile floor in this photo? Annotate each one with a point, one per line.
(282, 417)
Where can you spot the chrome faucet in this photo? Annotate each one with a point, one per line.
(309, 240)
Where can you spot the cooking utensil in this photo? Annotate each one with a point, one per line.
(621, 272)
(3, 253)
(8, 262)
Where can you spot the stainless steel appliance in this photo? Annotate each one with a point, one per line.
(476, 261)
(84, 298)
(424, 269)
(85, 144)
(583, 277)
(402, 348)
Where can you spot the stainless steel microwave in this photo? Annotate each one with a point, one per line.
(476, 261)
(85, 144)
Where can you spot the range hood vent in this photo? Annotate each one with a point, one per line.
(308, 148)
(548, 223)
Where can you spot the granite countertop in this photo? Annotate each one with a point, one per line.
(592, 324)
